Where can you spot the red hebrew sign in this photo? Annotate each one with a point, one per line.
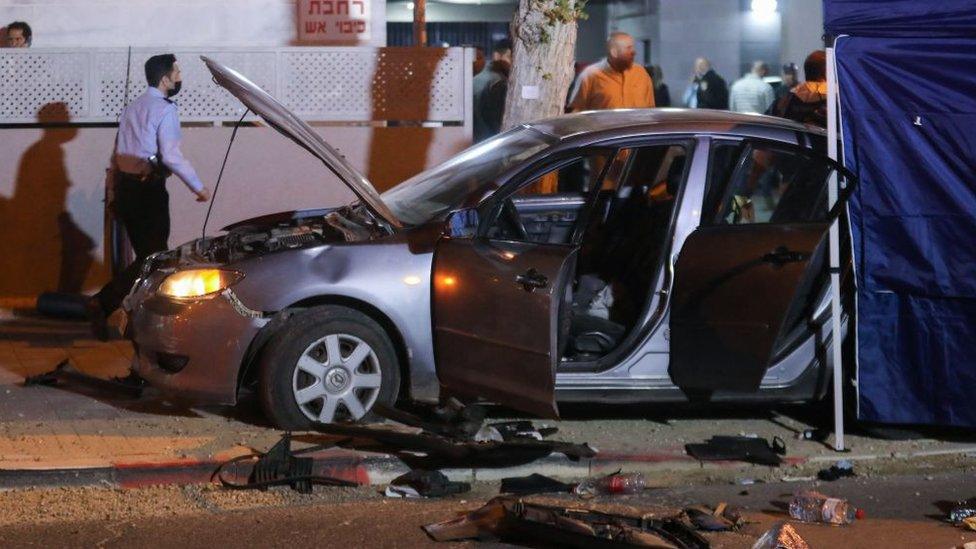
(345, 21)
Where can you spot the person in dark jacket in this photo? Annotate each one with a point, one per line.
(789, 81)
(662, 96)
(711, 92)
(807, 102)
(489, 102)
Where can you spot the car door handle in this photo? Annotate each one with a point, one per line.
(531, 280)
(783, 255)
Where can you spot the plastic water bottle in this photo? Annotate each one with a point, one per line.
(811, 506)
(619, 483)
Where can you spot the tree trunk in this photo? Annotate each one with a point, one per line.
(543, 50)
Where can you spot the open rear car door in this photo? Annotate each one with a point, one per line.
(745, 277)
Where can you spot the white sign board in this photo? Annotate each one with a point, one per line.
(334, 21)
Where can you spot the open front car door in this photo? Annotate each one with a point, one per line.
(503, 286)
(745, 277)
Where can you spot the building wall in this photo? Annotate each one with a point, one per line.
(401, 12)
(95, 23)
(802, 30)
(591, 38)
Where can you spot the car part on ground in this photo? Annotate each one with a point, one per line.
(280, 467)
(452, 419)
(427, 450)
(512, 519)
(749, 449)
(425, 484)
(327, 364)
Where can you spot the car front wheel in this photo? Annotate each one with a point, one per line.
(327, 364)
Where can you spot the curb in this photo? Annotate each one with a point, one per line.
(378, 469)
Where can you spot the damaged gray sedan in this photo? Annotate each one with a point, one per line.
(618, 256)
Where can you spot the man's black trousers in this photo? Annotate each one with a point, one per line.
(143, 209)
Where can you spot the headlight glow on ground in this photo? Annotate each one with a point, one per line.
(194, 283)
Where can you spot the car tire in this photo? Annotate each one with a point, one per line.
(298, 365)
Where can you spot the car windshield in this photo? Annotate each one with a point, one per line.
(439, 190)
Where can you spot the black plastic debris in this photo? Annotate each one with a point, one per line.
(440, 452)
(533, 484)
(426, 484)
(817, 435)
(130, 386)
(841, 469)
(280, 467)
(748, 449)
(513, 520)
(452, 420)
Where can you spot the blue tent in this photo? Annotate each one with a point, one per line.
(906, 71)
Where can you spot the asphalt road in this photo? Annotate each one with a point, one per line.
(903, 511)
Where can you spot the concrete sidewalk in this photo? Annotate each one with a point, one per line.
(74, 435)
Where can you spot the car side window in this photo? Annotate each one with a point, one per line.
(546, 206)
(769, 184)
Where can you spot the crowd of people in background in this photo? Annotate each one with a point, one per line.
(615, 82)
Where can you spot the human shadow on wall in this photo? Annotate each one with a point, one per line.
(43, 247)
(401, 94)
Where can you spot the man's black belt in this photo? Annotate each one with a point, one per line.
(151, 177)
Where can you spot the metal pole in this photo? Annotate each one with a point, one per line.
(419, 22)
(835, 310)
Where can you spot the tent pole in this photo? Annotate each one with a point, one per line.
(835, 310)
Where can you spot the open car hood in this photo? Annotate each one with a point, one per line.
(294, 128)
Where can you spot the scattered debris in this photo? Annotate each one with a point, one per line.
(421, 483)
(614, 483)
(781, 536)
(747, 449)
(431, 451)
(812, 506)
(280, 467)
(130, 386)
(511, 430)
(841, 469)
(452, 420)
(511, 519)
(819, 434)
(721, 519)
(533, 484)
(963, 510)
(788, 478)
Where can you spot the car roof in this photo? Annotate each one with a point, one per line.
(665, 120)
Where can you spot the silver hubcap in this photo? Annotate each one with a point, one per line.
(337, 377)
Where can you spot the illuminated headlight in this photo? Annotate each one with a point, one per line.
(197, 283)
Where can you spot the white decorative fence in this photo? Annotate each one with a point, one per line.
(333, 84)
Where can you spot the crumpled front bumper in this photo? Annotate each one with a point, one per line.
(209, 337)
